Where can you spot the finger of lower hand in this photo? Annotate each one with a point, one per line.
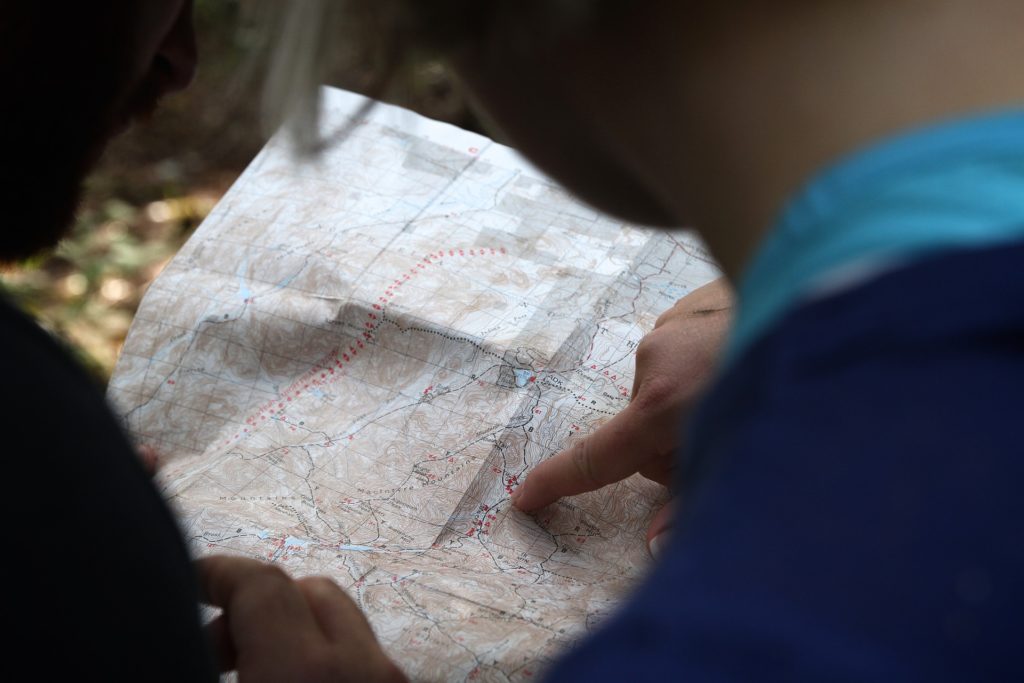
(348, 631)
(335, 612)
(264, 609)
(220, 640)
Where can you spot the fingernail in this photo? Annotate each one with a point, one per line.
(658, 544)
(516, 494)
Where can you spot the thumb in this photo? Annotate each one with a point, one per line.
(612, 453)
(660, 530)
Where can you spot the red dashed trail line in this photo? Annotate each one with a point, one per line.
(331, 365)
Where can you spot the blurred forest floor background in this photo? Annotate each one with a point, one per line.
(157, 182)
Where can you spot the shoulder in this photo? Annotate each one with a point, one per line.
(55, 412)
(106, 573)
(852, 483)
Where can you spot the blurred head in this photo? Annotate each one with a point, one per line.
(520, 62)
(75, 74)
(570, 85)
(671, 112)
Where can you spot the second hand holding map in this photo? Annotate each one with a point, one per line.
(353, 363)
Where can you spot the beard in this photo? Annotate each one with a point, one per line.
(40, 186)
(66, 96)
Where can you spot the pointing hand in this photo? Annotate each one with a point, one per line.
(673, 364)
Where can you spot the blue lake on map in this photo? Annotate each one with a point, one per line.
(523, 376)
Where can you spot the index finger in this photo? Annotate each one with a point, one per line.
(263, 605)
(221, 577)
(618, 449)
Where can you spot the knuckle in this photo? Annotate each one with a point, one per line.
(583, 463)
(266, 585)
(647, 346)
(669, 315)
(320, 584)
(655, 395)
(319, 663)
(320, 589)
(272, 576)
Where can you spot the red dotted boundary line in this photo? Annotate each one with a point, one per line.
(330, 366)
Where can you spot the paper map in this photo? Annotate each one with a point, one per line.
(355, 360)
